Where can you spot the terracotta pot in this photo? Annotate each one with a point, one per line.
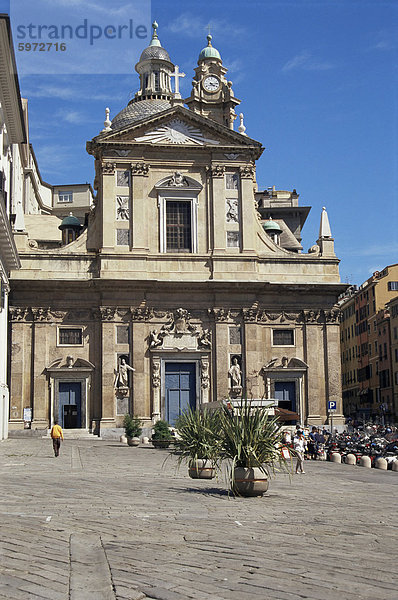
(135, 441)
(201, 469)
(161, 443)
(249, 481)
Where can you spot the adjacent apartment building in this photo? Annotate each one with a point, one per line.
(366, 347)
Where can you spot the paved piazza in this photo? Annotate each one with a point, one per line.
(108, 522)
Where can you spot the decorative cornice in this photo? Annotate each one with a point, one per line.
(141, 314)
(108, 313)
(219, 314)
(20, 313)
(247, 171)
(216, 171)
(140, 168)
(108, 168)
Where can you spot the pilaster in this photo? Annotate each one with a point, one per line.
(217, 179)
(138, 208)
(314, 357)
(248, 213)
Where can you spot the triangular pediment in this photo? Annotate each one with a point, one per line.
(178, 126)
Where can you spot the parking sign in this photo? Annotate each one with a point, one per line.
(332, 406)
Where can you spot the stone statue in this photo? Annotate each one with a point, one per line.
(178, 180)
(122, 377)
(235, 373)
(154, 339)
(205, 339)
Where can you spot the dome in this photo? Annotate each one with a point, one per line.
(154, 52)
(136, 111)
(70, 221)
(271, 226)
(209, 51)
(155, 49)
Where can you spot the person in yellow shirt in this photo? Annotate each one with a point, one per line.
(56, 435)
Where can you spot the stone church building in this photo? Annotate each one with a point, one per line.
(187, 285)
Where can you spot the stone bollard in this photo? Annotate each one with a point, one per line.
(145, 440)
(394, 466)
(381, 463)
(123, 439)
(365, 462)
(351, 459)
(336, 457)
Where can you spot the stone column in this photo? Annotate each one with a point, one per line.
(138, 209)
(248, 221)
(141, 399)
(252, 340)
(221, 363)
(333, 370)
(41, 406)
(204, 378)
(314, 357)
(108, 368)
(108, 206)
(156, 386)
(217, 175)
(21, 361)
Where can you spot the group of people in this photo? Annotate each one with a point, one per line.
(306, 444)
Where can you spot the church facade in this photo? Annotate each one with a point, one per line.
(187, 286)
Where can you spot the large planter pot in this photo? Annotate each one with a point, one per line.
(249, 481)
(135, 441)
(161, 443)
(201, 469)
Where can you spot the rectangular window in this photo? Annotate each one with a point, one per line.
(393, 286)
(283, 337)
(65, 197)
(122, 178)
(232, 181)
(178, 226)
(156, 76)
(396, 354)
(72, 336)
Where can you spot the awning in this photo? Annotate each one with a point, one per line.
(286, 415)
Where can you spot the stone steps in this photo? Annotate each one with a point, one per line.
(75, 434)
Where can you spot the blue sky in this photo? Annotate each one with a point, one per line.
(318, 84)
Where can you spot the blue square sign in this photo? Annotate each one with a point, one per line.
(332, 406)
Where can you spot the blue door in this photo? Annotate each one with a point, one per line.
(285, 393)
(180, 388)
(70, 405)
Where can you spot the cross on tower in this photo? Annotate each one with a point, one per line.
(177, 75)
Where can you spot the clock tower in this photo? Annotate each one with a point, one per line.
(212, 95)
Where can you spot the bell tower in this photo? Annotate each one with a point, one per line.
(212, 95)
(154, 69)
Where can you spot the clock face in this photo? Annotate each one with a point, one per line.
(211, 83)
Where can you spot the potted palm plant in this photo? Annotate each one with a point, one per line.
(161, 436)
(198, 442)
(251, 440)
(133, 430)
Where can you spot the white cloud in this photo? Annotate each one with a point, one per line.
(69, 92)
(95, 7)
(193, 26)
(307, 62)
(388, 251)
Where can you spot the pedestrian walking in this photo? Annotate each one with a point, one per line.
(299, 447)
(312, 443)
(56, 435)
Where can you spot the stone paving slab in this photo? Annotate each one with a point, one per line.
(107, 521)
